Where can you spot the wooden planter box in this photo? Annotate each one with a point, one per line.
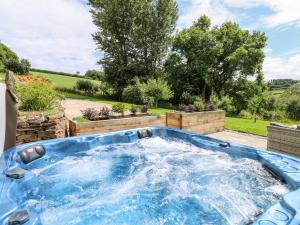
(114, 124)
(199, 122)
(284, 139)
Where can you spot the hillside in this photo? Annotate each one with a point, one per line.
(61, 81)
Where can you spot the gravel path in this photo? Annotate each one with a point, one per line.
(73, 107)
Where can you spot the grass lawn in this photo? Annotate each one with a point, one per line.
(159, 111)
(277, 92)
(60, 80)
(247, 125)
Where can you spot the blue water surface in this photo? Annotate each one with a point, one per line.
(152, 181)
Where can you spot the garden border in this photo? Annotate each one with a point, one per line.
(198, 122)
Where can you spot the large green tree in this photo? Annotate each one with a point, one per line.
(134, 36)
(10, 61)
(207, 59)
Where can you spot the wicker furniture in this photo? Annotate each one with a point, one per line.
(284, 139)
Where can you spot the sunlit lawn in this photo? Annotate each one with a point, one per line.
(247, 125)
(61, 81)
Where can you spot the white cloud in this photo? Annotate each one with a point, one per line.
(243, 3)
(285, 12)
(52, 34)
(276, 67)
(214, 9)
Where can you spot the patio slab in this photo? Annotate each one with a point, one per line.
(241, 138)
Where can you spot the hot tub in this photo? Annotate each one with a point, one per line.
(153, 175)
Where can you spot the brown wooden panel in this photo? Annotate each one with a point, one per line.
(116, 124)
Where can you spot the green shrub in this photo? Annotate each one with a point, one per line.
(225, 103)
(256, 106)
(187, 98)
(119, 108)
(86, 86)
(105, 89)
(95, 75)
(245, 114)
(277, 115)
(199, 105)
(36, 96)
(293, 90)
(156, 90)
(133, 94)
(293, 107)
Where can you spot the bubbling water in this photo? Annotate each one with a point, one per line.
(153, 181)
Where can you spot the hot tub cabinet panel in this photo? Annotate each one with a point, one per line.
(12, 191)
(198, 122)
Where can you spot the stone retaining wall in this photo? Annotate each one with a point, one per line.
(34, 127)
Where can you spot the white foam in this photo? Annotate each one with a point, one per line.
(160, 173)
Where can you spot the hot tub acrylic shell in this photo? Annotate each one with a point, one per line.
(287, 211)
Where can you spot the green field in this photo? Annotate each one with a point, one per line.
(61, 81)
(277, 92)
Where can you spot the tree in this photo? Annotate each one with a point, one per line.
(293, 90)
(293, 107)
(209, 59)
(95, 75)
(133, 93)
(134, 36)
(10, 61)
(242, 90)
(25, 65)
(155, 90)
(291, 101)
(255, 106)
(87, 86)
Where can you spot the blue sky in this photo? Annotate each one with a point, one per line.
(56, 34)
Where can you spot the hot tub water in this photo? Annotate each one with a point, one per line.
(152, 181)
